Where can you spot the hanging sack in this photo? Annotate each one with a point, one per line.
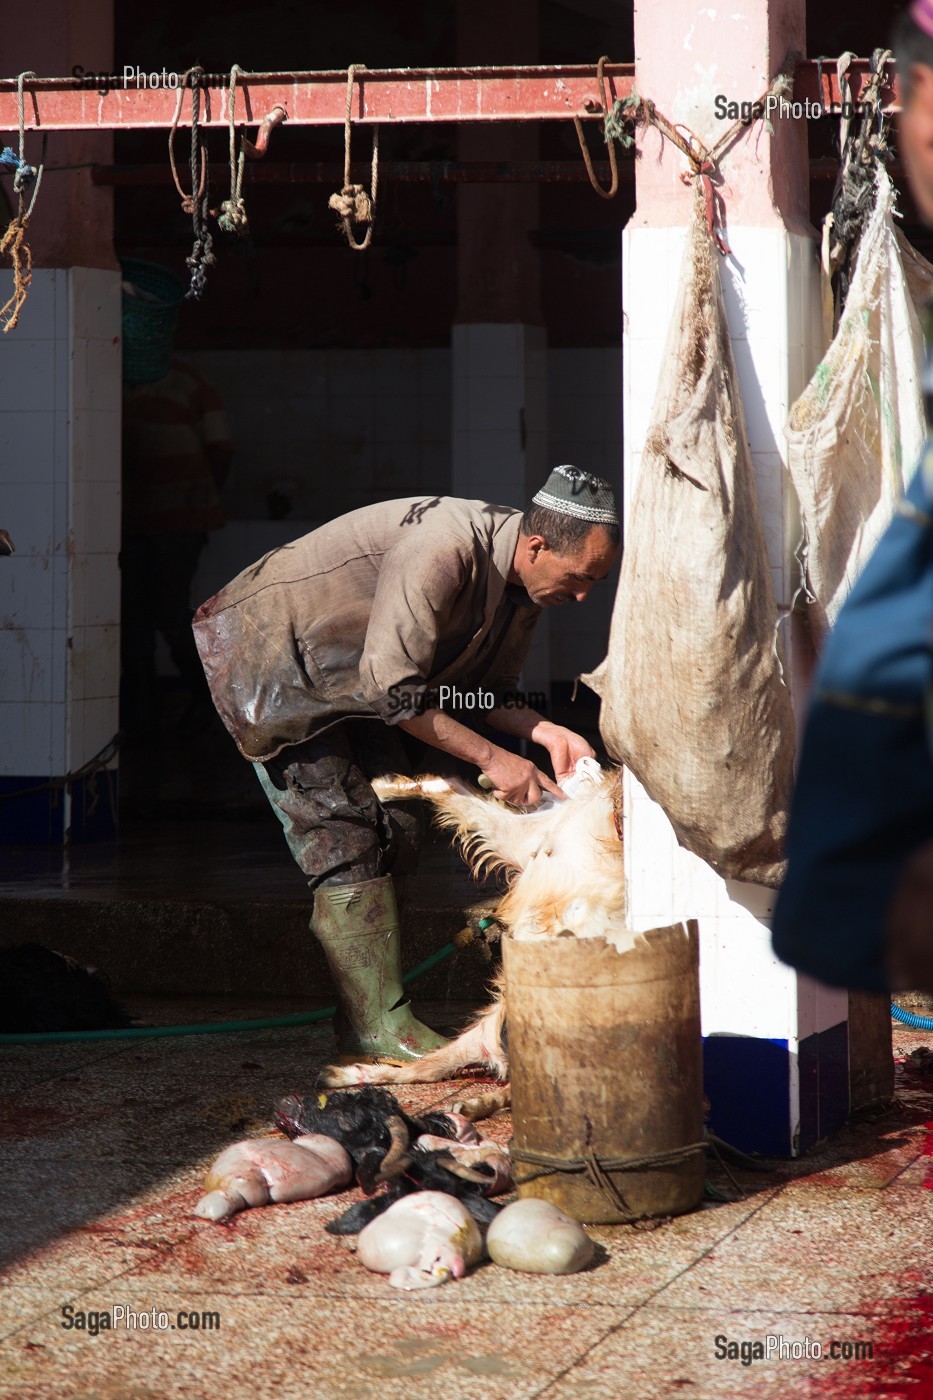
(855, 434)
(693, 699)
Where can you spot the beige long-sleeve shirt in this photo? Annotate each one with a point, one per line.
(365, 617)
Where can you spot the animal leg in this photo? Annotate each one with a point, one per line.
(481, 1106)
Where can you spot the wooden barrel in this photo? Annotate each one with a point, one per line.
(605, 1057)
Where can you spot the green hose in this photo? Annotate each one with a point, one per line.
(267, 1023)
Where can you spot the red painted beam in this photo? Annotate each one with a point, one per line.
(319, 99)
(396, 95)
(816, 82)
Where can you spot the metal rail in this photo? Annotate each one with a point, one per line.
(134, 100)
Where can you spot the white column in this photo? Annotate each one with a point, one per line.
(775, 1044)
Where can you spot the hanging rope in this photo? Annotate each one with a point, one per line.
(14, 240)
(195, 203)
(584, 150)
(861, 150)
(353, 204)
(622, 118)
(232, 217)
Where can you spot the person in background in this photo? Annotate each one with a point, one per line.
(176, 458)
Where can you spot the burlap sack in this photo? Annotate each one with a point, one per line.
(692, 696)
(855, 434)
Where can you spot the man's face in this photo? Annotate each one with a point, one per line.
(915, 138)
(552, 579)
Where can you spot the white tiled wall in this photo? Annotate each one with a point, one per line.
(35, 373)
(59, 499)
(771, 292)
(331, 429)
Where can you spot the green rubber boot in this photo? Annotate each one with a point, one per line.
(357, 926)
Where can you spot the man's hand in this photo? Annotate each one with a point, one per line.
(564, 746)
(516, 780)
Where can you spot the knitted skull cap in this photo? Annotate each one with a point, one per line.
(570, 491)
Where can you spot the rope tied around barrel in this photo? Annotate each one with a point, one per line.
(596, 1169)
(202, 252)
(14, 240)
(232, 217)
(352, 203)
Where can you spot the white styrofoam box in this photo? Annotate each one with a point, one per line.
(33, 591)
(27, 446)
(31, 738)
(94, 663)
(819, 1007)
(96, 304)
(29, 515)
(757, 899)
(26, 668)
(27, 373)
(744, 989)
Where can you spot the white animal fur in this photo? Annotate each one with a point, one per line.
(564, 864)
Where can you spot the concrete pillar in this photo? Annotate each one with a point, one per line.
(776, 1045)
(60, 468)
(499, 344)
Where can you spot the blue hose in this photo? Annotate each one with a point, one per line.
(908, 1018)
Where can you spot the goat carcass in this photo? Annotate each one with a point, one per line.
(563, 861)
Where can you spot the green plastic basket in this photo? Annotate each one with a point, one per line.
(149, 320)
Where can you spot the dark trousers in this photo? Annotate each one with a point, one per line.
(336, 828)
(157, 572)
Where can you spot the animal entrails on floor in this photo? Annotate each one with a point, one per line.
(563, 863)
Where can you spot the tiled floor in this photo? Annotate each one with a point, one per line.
(103, 1148)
